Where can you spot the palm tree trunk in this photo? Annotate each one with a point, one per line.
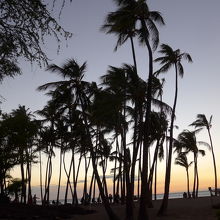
(150, 179)
(75, 180)
(197, 180)
(93, 193)
(164, 205)
(91, 185)
(187, 175)
(58, 190)
(114, 175)
(155, 181)
(74, 199)
(85, 179)
(139, 170)
(23, 190)
(214, 163)
(41, 185)
(45, 182)
(143, 214)
(68, 178)
(111, 214)
(49, 177)
(123, 180)
(133, 53)
(194, 182)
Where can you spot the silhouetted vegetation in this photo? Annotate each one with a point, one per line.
(121, 124)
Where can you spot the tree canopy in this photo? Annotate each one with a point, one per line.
(24, 24)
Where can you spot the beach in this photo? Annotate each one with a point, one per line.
(185, 209)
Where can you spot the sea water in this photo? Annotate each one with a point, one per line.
(175, 195)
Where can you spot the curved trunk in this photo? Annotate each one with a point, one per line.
(68, 178)
(45, 183)
(75, 181)
(164, 204)
(150, 179)
(153, 165)
(214, 163)
(133, 53)
(143, 214)
(49, 179)
(194, 182)
(139, 172)
(155, 181)
(187, 175)
(85, 179)
(197, 179)
(111, 214)
(23, 190)
(28, 167)
(60, 171)
(90, 187)
(41, 185)
(114, 175)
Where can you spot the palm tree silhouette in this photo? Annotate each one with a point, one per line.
(169, 59)
(73, 74)
(147, 32)
(122, 24)
(24, 129)
(202, 122)
(187, 141)
(182, 160)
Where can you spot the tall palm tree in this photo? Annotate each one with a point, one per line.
(122, 25)
(141, 18)
(50, 115)
(139, 12)
(202, 122)
(182, 160)
(171, 58)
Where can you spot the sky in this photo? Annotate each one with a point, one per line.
(191, 26)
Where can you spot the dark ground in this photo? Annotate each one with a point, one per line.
(26, 212)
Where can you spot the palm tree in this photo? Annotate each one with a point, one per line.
(22, 130)
(202, 122)
(187, 141)
(73, 74)
(169, 59)
(48, 135)
(135, 14)
(181, 160)
(122, 25)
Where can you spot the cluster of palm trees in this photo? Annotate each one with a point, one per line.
(110, 125)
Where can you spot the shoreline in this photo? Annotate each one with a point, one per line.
(178, 209)
(185, 209)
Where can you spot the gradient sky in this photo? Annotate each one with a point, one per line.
(191, 25)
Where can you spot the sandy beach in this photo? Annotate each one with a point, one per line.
(184, 209)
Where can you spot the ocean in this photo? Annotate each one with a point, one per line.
(176, 195)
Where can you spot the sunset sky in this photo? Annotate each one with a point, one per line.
(191, 26)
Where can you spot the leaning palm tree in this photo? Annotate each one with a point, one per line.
(182, 160)
(202, 122)
(170, 58)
